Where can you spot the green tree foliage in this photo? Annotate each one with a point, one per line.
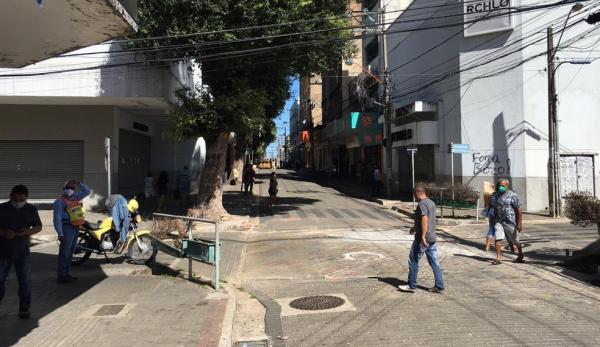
(249, 80)
(583, 209)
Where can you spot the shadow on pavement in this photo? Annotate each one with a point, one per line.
(48, 295)
(394, 282)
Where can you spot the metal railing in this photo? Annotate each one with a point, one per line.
(445, 197)
(189, 233)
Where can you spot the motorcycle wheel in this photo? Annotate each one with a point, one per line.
(144, 255)
(81, 254)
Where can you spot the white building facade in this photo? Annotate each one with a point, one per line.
(56, 115)
(484, 84)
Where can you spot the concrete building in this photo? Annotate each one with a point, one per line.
(484, 84)
(57, 113)
(311, 114)
(296, 146)
(340, 143)
(35, 30)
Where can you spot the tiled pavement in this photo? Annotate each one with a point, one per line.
(512, 304)
(509, 304)
(160, 310)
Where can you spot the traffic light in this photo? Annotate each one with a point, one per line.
(593, 18)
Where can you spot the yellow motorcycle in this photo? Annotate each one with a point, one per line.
(102, 237)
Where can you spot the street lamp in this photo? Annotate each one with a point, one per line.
(554, 189)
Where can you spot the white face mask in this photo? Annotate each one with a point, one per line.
(18, 205)
(69, 192)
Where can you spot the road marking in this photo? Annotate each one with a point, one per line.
(301, 213)
(334, 213)
(317, 213)
(350, 213)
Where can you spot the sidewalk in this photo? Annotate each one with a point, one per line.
(544, 241)
(115, 304)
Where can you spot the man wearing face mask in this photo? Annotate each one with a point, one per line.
(18, 221)
(68, 217)
(508, 219)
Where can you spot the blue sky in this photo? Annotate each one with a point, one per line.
(284, 117)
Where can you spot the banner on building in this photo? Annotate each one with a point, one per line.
(371, 132)
(486, 16)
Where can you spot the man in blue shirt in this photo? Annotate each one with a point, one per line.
(68, 217)
(18, 220)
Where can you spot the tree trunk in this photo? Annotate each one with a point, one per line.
(209, 203)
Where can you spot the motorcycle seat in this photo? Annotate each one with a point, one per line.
(90, 226)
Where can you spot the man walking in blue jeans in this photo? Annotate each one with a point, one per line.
(68, 217)
(18, 221)
(424, 243)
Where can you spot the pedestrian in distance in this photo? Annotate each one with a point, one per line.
(248, 178)
(424, 244)
(149, 191)
(508, 219)
(183, 185)
(376, 181)
(18, 221)
(163, 189)
(68, 217)
(272, 190)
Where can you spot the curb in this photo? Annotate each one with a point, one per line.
(440, 221)
(228, 321)
(273, 325)
(44, 238)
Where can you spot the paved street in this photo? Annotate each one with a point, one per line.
(510, 304)
(303, 205)
(318, 241)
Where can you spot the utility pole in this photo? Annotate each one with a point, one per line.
(554, 186)
(386, 107)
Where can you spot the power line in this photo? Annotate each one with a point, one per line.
(471, 65)
(247, 52)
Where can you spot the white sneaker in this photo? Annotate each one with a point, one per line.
(406, 289)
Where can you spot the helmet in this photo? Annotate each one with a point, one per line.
(133, 205)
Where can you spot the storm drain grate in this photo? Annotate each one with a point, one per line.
(109, 310)
(317, 302)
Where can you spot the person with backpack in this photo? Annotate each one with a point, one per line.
(68, 217)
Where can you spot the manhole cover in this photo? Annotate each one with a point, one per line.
(317, 302)
(109, 310)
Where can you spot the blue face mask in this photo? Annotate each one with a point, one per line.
(502, 189)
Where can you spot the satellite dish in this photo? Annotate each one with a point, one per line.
(197, 165)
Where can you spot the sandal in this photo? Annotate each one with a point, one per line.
(497, 262)
(519, 260)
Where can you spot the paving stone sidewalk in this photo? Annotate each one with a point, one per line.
(152, 307)
(511, 304)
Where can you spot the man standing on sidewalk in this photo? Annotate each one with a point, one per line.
(18, 221)
(508, 219)
(68, 217)
(424, 243)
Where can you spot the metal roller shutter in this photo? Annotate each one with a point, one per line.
(134, 162)
(43, 166)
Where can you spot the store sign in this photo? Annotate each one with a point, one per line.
(486, 16)
(402, 135)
